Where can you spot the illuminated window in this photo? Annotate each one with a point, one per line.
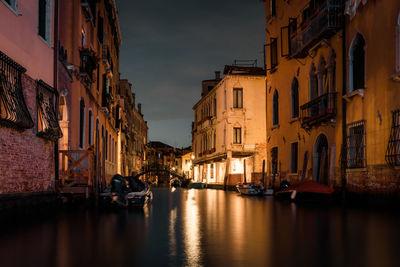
(237, 135)
(295, 98)
(275, 108)
(357, 63)
(238, 97)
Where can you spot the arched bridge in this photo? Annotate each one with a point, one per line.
(163, 174)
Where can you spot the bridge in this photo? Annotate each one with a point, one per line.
(162, 173)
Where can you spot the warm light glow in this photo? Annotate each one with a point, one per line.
(192, 232)
(237, 166)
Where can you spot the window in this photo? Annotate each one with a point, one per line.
(274, 53)
(275, 109)
(237, 97)
(356, 145)
(100, 29)
(357, 63)
(90, 141)
(82, 123)
(294, 148)
(13, 110)
(398, 45)
(393, 148)
(237, 135)
(295, 98)
(44, 20)
(215, 106)
(106, 145)
(274, 160)
(83, 38)
(11, 3)
(47, 126)
(313, 83)
(273, 8)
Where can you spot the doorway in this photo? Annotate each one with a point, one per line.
(320, 165)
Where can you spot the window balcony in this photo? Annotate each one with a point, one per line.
(320, 19)
(88, 64)
(318, 110)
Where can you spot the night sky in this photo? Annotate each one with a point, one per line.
(169, 47)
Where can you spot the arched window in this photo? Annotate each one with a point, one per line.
(357, 63)
(332, 71)
(106, 145)
(275, 109)
(313, 83)
(90, 125)
(82, 123)
(322, 77)
(295, 98)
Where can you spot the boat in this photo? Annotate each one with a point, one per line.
(306, 191)
(126, 191)
(249, 189)
(197, 185)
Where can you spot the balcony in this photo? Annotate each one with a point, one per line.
(318, 110)
(320, 20)
(88, 64)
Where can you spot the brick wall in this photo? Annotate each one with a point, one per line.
(26, 161)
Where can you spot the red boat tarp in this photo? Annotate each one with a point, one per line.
(310, 187)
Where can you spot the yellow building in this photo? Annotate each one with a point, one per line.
(303, 63)
(228, 135)
(333, 93)
(372, 94)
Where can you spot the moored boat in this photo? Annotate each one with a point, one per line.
(306, 191)
(126, 191)
(249, 189)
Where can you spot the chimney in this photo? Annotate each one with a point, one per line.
(217, 75)
(139, 107)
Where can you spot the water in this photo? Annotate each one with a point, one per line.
(205, 228)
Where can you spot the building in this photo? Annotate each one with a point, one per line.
(187, 163)
(228, 135)
(304, 77)
(88, 80)
(372, 92)
(133, 132)
(29, 128)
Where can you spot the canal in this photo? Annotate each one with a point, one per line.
(204, 228)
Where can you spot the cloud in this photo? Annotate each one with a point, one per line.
(169, 47)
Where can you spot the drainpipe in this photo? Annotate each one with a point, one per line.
(55, 84)
(344, 132)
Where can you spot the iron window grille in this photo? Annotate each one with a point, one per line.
(13, 110)
(393, 149)
(48, 126)
(356, 145)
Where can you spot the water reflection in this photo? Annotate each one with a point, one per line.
(192, 231)
(204, 228)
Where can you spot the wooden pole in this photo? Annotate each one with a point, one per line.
(244, 171)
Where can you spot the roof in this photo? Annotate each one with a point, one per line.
(241, 70)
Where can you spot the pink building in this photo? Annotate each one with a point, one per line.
(28, 120)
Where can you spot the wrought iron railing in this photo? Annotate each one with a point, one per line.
(356, 145)
(321, 22)
(48, 126)
(13, 110)
(88, 63)
(393, 149)
(318, 110)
